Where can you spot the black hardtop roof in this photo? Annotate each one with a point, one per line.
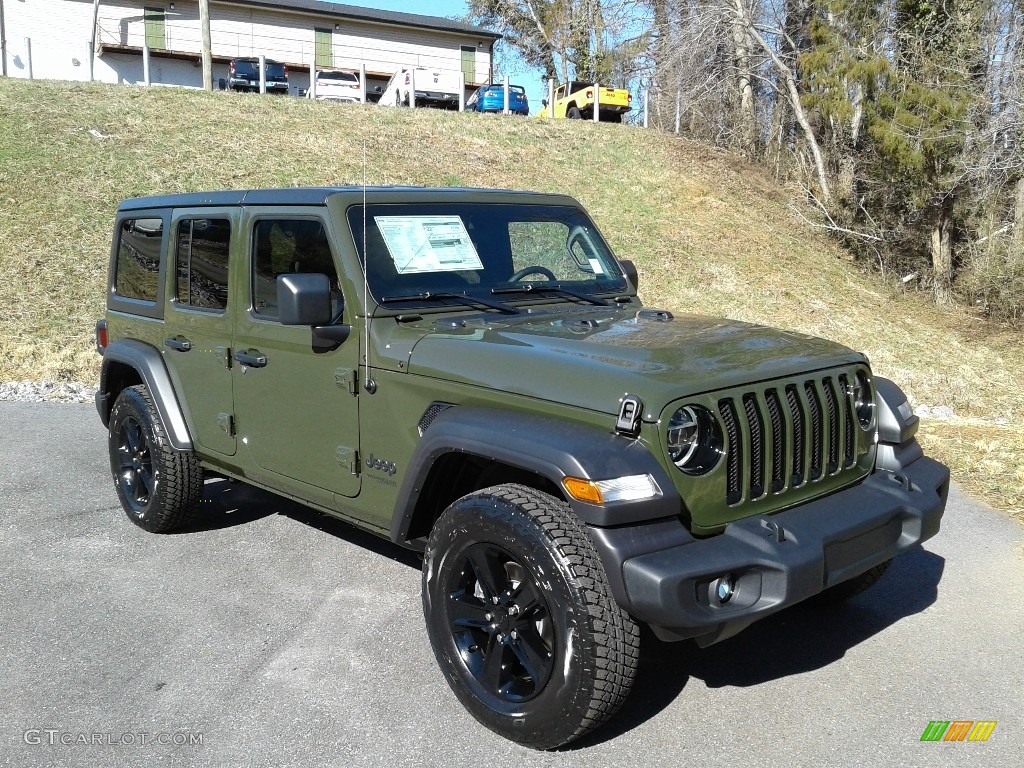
(320, 195)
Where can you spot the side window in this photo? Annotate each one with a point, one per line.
(201, 258)
(137, 272)
(285, 246)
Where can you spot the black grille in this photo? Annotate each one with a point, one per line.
(844, 384)
(814, 406)
(786, 436)
(778, 440)
(796, 411)
(734, 488)
(756, 446)
(832, 404)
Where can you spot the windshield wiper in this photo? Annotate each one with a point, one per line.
(548, 288)
(462, 298)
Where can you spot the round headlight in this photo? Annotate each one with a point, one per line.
(694, 440)
(863, 401)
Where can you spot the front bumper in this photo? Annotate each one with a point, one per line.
(774, 561)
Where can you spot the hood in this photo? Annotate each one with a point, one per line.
(590, 358)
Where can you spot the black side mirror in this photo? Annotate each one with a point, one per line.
(543, 102)
(629, 270)
(303, 299)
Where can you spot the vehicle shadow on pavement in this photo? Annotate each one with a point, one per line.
(226, 504)
(794, 641)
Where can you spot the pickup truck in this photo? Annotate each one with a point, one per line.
(575, 100)
(432, 88)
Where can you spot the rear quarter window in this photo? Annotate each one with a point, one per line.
(137, 265)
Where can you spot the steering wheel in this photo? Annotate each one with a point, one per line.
(536, 269)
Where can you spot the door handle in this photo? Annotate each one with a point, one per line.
(253, 361)
(178, 343)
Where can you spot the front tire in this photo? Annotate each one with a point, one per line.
(521, 619)
(573, 113)
(159, 487)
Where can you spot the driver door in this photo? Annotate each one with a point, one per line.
(296, 406)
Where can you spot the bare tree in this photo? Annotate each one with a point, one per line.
(566, 38)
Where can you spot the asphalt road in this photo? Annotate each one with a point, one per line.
(277, 637)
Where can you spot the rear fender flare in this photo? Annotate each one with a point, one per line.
(150, 367)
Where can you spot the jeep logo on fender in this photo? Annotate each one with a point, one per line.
(382, 464)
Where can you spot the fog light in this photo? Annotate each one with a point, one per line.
(724, 589)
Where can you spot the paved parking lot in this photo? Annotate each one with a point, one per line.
(277, 637)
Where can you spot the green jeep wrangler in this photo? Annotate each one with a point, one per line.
(470, 373)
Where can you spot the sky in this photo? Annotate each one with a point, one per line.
(519, 74)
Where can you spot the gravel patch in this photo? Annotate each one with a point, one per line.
(46, 392)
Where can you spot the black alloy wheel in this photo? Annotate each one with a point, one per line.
(500, 622)
(159, 487)
(521, 618)
(135, 473)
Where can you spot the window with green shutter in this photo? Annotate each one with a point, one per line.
(155, 32)
(324, 47)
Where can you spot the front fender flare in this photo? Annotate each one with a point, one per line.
(551, 448)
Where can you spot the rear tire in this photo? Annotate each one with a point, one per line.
(159, 487)
(521, 618)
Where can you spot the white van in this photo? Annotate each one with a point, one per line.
(434, 88)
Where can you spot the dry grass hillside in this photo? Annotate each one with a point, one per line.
(709, 233)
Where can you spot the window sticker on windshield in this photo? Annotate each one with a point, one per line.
(428, 243)
(596, 266)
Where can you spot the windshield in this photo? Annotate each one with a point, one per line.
(422, 250)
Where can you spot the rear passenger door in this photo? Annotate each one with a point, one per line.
(198, 324)
(296, 405)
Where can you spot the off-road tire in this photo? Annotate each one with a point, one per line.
(511, 571)
(159, 487)
(851, 587)
(573, 113)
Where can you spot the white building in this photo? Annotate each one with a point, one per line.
(54, 39)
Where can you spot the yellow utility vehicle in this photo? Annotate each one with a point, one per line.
(575, 100)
